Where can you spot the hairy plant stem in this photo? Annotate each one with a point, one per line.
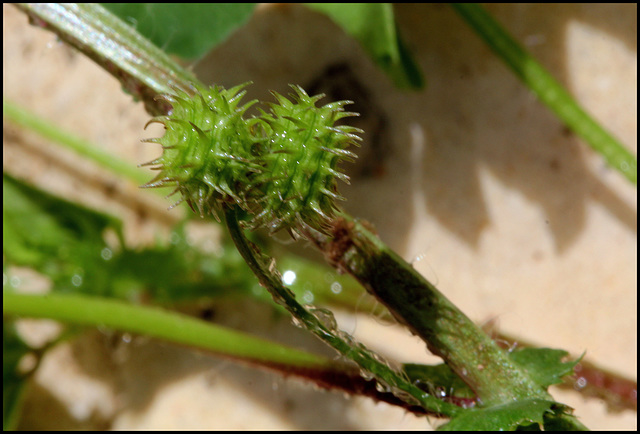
(418, 304)
(323, 326)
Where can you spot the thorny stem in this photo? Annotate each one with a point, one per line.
(323, 327)
(416, 303)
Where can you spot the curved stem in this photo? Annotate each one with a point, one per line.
(322, 324)
(418, 304)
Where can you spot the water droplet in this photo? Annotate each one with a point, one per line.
(580, 383)
(325, 317)
(106, 254)
(296, 322)
(308, 297)
(417, 259)
(624, 166)
(366, 374)
(15, 281)
(76, 280)
(381, 387)
(127, 338)
(174, 238)
(464, 372)
(288, 277)
(336, 288)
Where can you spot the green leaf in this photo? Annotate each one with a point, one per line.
(374, 26)
(180, 271)
(49, 234)
(13, 382)
(506, 417)
(188, 30)
(64, 241)
(544, 365)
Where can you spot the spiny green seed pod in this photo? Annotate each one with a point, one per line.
(280, 167)
(208, 148)
(299, 181)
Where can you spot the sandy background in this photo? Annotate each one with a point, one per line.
(513, 217)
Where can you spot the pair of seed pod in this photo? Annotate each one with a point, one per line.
(280, 166)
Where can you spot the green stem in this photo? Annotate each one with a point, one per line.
(322, 324)
(181, 329)
(419, 305)
(26, 119)
(143, 69)
(550, 92)
(185, 330)
(155, 322)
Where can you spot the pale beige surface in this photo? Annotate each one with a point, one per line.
(510, 215)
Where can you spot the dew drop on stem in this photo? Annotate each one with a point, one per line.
(325, 317)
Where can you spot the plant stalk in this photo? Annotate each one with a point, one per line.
(547, 88)
(145, 72)
(322, 324)
(185, 330)
(143, 69)
(26, 119)
(418, 304)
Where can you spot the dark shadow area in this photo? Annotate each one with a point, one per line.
(474, 112)
(479, 115)
(57, 413)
